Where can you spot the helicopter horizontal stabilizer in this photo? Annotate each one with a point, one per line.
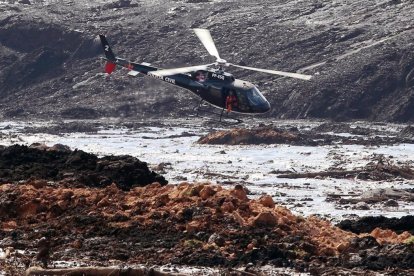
(133, 73)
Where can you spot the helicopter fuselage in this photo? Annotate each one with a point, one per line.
(213, 86)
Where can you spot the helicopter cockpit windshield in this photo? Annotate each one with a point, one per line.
(257, 101)
(255, 97)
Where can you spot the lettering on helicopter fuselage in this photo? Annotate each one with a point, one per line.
(166, 79)
(217, 76)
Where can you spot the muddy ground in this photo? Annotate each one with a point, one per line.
(55, 219)
(188, 224)
(360, 53)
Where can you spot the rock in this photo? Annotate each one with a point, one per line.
(240, 192)
(217, 239)
(267, 201)
(391, 203)
(194, 226)
(227, 207)
(59, 147)
(207, 192)
(9, 225)
(362, 206)
(39, 183)
(265, 219)
(342, 247)
(408, 131)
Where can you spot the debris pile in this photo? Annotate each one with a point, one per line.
(368, 224)
(59, 163)
(242, 136)
(193, 224)
(292, 136)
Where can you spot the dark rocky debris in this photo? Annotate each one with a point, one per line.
(59, 163)
(368, 224)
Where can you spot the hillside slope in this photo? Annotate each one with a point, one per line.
(361, 54)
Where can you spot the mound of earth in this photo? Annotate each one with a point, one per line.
(193, 224)
(59, 163)
(242, 136)
(275, 135)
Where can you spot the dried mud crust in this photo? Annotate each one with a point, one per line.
(293, 136)
(192, 224)
(59, 163)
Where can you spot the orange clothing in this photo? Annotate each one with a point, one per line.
(231, 101)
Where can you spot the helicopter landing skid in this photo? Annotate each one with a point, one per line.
(224, 117)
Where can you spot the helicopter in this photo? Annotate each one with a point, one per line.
(210, 82)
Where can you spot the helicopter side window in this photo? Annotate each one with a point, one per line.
(243, 103)
(200, 76)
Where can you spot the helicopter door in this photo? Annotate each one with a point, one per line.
(216, 96)
(224, 94)
(243, 102)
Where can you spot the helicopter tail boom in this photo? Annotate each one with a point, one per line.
(109, 54)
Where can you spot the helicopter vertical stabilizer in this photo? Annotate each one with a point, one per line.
(110, 56)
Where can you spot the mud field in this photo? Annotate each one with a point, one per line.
(264, 198)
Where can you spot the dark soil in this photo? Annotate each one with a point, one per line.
(368, 224)
(60, 163)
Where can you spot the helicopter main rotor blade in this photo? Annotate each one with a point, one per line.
(280, 73)
(174, 71)
(205, 38)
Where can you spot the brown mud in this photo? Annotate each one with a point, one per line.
(294, 136)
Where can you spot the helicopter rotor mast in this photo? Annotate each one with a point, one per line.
(208, 42)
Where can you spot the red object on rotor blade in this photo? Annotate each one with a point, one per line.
(109, 67)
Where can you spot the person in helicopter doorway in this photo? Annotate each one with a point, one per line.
(231, 101)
